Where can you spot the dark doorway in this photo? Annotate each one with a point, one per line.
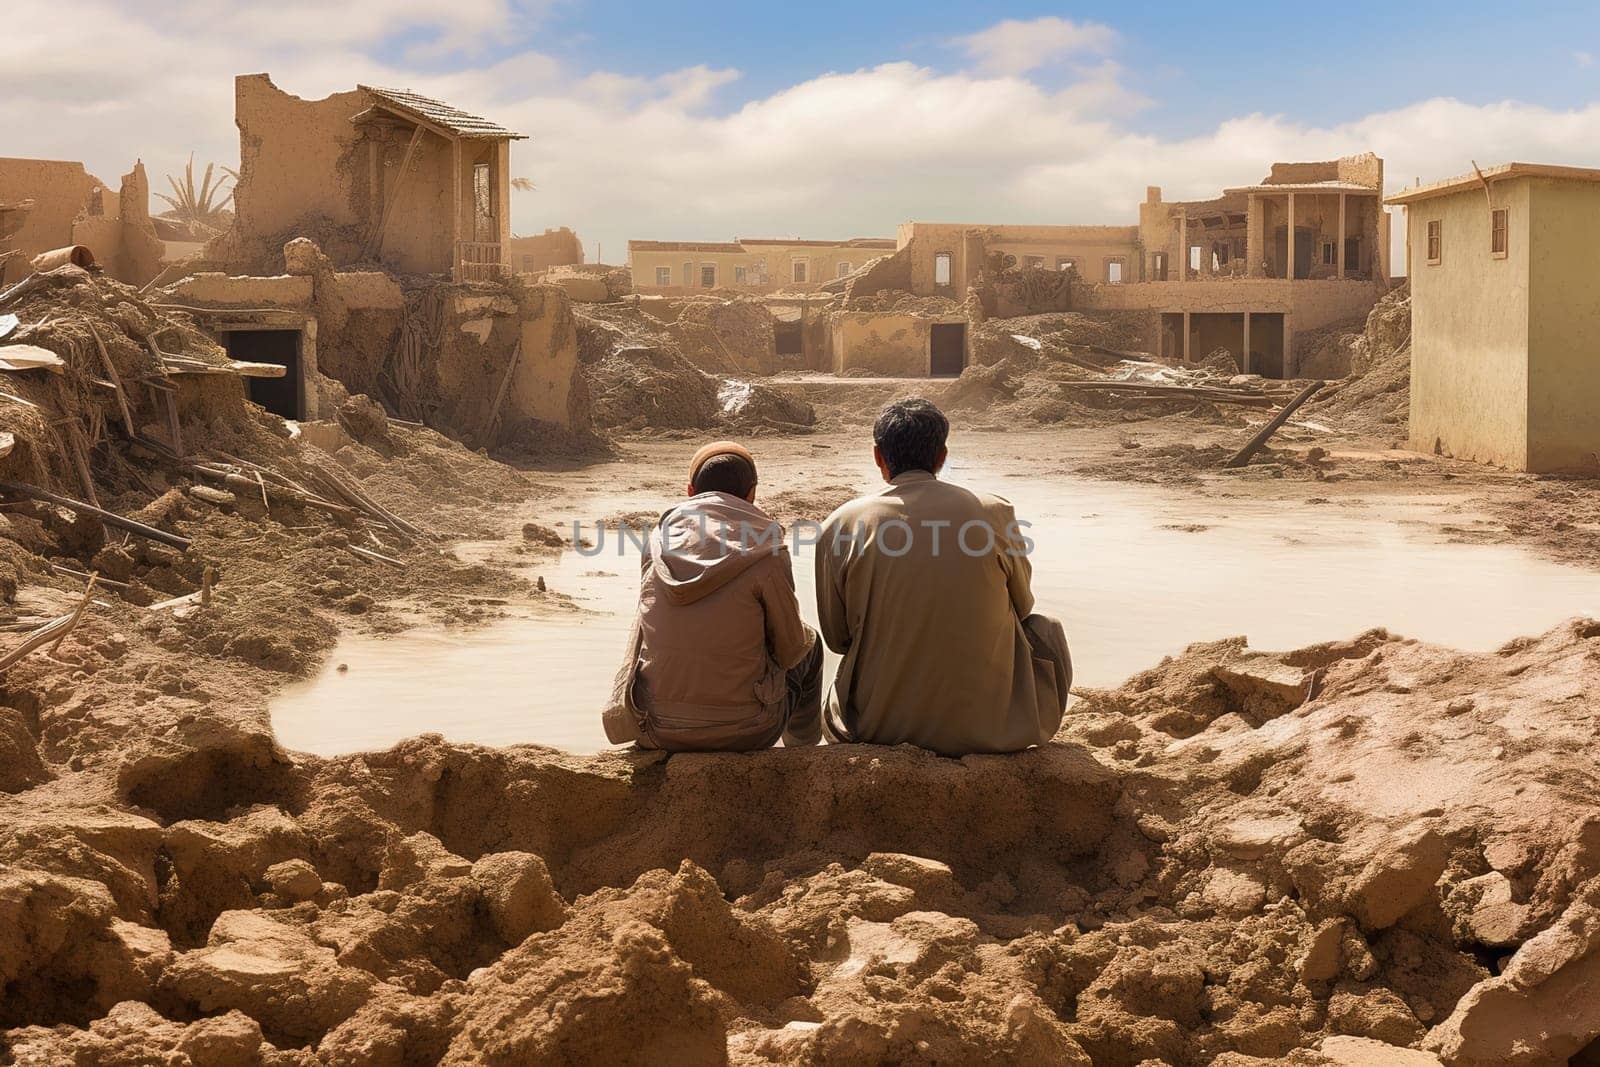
(788, 338)
(281, 396)
(947, 349)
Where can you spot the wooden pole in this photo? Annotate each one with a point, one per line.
(33, 492)
(1241, 457)
(375, 243)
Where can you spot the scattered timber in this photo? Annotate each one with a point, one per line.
(1136, 390)
(1241, 457)
(110, 518)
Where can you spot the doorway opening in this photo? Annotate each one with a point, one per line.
(282, 396)
(788, 338)
(947, 349)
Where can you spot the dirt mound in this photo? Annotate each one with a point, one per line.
(727, 336)
(752, 405)
(637, 388)
(1367, 846)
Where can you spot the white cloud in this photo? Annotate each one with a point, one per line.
(616, 155)
(1015, 46)
(1583, 59)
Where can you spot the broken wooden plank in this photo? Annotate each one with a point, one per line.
(238, 481)
(57, 627)
(1241, 457)
(68, 572)
(80, 459)
(368, 554)
(33, 492)
(116, 382)
(77, 614)
(505, 384)
(30, 357)
(180, 365)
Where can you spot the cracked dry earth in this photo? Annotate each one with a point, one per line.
(1367, 852)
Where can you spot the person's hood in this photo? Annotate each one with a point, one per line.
(704, 543)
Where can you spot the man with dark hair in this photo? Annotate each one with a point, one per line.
(719, 658)
(923, 588)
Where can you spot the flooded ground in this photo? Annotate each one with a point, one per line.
(1136, 572)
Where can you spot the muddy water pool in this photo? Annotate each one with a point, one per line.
(1135, 572)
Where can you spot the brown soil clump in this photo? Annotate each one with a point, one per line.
(1236, 857)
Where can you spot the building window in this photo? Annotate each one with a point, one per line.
(1066, 263)
(941, 268)
(1194, 258)
(1499, 233)
(663, 276)
(1114, 270)
(738, 275)
(1330, 252)
(688, 274)
(708, 276)
(844, 268)
(1435, 241)
(527, 262)
(1158, 266)
(801, 270)
(1033, 261)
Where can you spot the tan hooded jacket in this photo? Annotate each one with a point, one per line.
(935, 653)
(718, 629)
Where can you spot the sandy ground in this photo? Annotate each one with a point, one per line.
(1369, 851)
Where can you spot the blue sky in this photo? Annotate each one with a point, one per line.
(1198, 67)
(829, 119)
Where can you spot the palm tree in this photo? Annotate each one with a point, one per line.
(199, 207)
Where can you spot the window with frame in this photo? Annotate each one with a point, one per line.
(1033, 261)
(941, 268)
(1499, 232)
(802, 270)
(844, 268)
(739, 275)
(527, 262)
(1114, 269)
(1330, 252)
(663, 275)
(708, 276)
(1158, 266)
(1435, 240)
(1195, 251)
(1065, 263)
(688, 274)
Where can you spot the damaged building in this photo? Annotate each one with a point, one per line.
(385, 176)
(367, 255)
(1504, 316)
(1218, 273)
(48, 204)
(748, 265)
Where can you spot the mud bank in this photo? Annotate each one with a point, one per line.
(1230, 858)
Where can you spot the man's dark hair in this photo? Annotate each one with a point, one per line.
(726, 473)
(910, 434)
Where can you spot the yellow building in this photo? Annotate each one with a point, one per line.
(755, 265)
(1505, 316)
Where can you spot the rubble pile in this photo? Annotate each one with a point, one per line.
(1375, 399)
(727, 336)
(1369, 846)
(1102, 336)
(641, 378)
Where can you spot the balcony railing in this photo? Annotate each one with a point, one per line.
(479, 261)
